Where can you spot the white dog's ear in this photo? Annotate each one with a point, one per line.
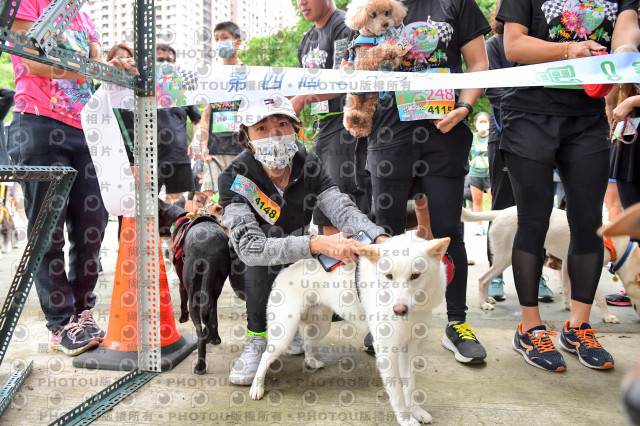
(371, 253)
(437, 248)
(398, 11)
(357, 16)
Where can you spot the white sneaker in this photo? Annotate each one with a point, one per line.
(246, 366)
(480, 230)
(297, 345)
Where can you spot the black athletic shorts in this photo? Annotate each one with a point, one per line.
(547, 138)
(175, 177)
(482, 183)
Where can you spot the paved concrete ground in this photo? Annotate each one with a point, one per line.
(348, 390)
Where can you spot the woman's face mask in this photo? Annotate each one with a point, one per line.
(225, 49)
(275, 152)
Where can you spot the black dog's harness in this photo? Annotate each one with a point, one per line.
(179, 229)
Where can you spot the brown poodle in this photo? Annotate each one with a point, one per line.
(373, 19)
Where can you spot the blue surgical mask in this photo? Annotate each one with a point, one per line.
(225, 49)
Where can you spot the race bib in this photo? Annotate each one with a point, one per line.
(224, 121)
(426, 104)
(319, 107)
(265, 206)
(625, 128)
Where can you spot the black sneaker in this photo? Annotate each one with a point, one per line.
(537, 348)
(71, 339)
(89, 325)
(582, 342)
(462, 341)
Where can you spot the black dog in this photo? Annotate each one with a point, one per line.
(200, 257)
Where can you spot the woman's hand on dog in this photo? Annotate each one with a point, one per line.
(338, 246)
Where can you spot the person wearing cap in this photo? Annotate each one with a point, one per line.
(268, 193)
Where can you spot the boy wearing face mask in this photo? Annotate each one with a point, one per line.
(219, 136)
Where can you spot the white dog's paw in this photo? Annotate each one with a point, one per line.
(421, 415)
(567, 306)
(611, 319)
(410, 422)
(313, 363)
(487, 306)
(256, 392)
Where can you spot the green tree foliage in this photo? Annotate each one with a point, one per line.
(281, 47)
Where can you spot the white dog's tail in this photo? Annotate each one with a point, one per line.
(469, 216)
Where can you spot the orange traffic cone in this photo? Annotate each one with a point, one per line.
(119, 349)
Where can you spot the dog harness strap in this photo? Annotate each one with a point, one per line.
(615, 268)
(609, 246)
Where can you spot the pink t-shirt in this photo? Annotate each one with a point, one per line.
(61, 99)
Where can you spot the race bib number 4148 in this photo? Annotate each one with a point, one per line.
(263, 205)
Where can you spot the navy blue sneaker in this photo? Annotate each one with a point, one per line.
(537, 348)
(582, 342)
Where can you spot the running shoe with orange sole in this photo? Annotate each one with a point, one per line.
(582, 342)
(537, 349)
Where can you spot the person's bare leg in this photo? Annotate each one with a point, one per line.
(476, 195)
(531, 317)
(612, 201)
(424, 219)
(580, 313)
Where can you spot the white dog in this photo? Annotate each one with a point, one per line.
(390, 292)
(503, 231)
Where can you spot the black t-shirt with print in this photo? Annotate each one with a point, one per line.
(223, 143)
(437, 30)
(561, 21)
(325, 48)
(172, 133)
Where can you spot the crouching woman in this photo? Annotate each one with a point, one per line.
(268, 194)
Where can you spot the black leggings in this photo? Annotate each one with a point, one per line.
(445, 201)
(258, 281)
(585, 182)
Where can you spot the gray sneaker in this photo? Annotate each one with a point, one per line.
(544, 293)
(462, 341)
(246, 366)
(297, 345)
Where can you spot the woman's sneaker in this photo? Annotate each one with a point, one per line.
(462, 341)
(544, 292)
(244, 370)
(582, 342)
(537, 348)
(86, 321)
(618, 299)
(71, 339)
(496, 288)
(297, 345)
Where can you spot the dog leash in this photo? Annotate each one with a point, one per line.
(613, 267)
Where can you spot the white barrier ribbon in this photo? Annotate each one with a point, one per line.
(208, 83)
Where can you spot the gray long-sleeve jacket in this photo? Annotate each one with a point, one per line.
(259, 242)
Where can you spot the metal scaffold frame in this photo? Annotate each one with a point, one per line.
(40, 44)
